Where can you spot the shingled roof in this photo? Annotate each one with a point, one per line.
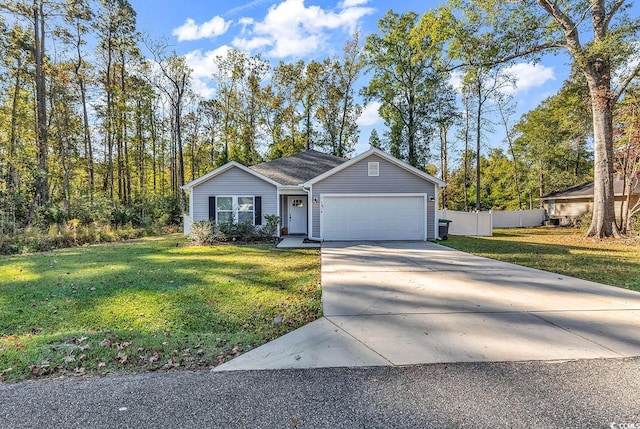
(298, 168)
(586, 190)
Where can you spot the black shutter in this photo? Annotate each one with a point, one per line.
(212, 208)
(257, 206)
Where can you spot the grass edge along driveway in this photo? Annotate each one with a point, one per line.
(149, 304)
(560, 250)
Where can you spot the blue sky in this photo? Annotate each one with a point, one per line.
(290, 30)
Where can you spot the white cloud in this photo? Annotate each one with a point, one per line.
(204, 66)
(202, 88)
(455, 80)
(216, 26)
(251, 44)
(293, 29)
(242, 7)
(529, 75)
(351, 3)
(370, 115)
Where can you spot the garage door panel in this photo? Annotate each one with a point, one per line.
(373, 218)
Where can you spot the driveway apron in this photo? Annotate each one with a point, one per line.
(404, 303)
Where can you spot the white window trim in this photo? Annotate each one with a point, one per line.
(235, 207)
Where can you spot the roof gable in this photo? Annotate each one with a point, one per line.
(585, 190)
(224, 168)
(383, 155)
(299, 168)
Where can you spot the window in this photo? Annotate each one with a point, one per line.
(296, 203)
(235, 209)
(552, 207)
(374, 169)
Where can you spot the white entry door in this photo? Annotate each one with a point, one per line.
(297, 214)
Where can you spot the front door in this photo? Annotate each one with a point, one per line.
(297, 214)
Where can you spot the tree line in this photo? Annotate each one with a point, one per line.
(101, 123)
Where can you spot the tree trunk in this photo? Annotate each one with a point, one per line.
(540, 183)
(411, 125)
(444, 167)
(603, 223)
(466, 157)
(478, 139)
(41, 181)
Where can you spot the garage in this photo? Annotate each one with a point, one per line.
(373, 217)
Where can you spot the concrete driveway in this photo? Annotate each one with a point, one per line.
(403, 303)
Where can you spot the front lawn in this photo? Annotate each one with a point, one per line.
(560, 250)
(149, 304)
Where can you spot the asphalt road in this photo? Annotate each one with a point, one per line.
(574, 394)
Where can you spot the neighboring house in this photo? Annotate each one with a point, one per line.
(564, 207)
(373, 196)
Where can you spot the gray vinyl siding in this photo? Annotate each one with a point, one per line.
(233, 182)
(356, 180)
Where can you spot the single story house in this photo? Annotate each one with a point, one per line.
(373, 196)
(564, 207)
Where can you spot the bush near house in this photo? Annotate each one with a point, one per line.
(207, 232)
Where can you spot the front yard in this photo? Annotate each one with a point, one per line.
(560, 250)
(148, 304)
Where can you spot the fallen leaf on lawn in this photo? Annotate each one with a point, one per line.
(295, 422)
(79, 371)
(122, 358)
(106, 342)
(36, 370)
(82, 357)
(85, 347)
(153, 358)
(82, 339)
(102, 365)
(69, 359)
(123, 345)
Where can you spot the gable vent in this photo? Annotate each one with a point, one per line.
(374, 169)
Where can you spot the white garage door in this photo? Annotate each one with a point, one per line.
(398, 217)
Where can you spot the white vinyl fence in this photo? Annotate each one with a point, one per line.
(482, 223)
(468, 223)
(519, 218)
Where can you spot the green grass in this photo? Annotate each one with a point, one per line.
(148, 304)
(560, 250)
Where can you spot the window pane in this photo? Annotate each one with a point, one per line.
(245, 217)
(224, 203)
(245, 203)
(225, 217)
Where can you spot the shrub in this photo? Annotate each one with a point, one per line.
(271, 228)
(232, 231)
(584, 221)
(202, 232)
(206, 232)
